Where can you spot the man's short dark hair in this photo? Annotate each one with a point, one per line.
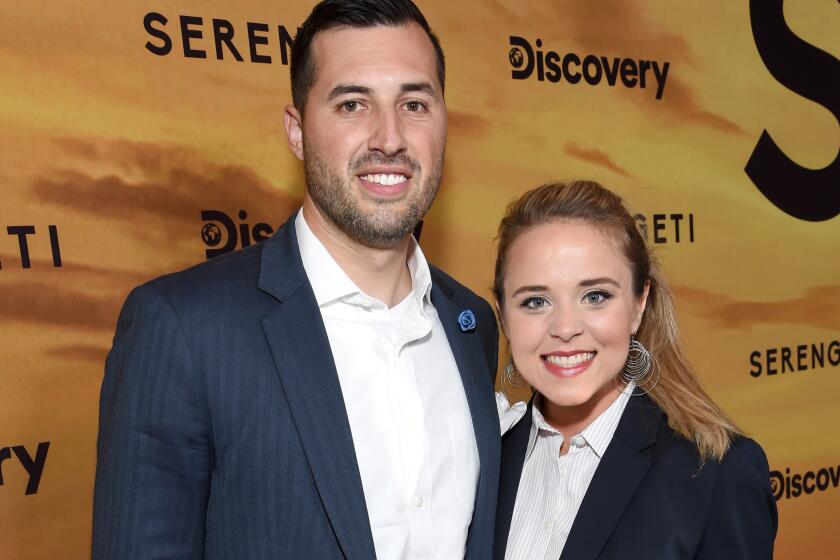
(331, 14)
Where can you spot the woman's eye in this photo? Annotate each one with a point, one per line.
(596, 297)
(535, 302)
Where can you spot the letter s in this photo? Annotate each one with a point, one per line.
(807, 194)
(159, 33)
(755, 362)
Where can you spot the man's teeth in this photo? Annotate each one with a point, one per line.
(384, 179)
(569, 361)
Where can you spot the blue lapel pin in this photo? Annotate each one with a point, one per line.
(466, 320)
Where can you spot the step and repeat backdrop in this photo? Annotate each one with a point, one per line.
(141, 137)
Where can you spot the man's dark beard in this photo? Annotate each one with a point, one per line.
(381, 228)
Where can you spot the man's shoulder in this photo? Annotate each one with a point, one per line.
(235, 270)
(231, 268)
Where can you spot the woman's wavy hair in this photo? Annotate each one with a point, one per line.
(690, 410)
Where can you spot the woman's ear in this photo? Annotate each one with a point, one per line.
(642, 304)
(501, 317)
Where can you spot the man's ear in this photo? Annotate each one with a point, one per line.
(294, 130)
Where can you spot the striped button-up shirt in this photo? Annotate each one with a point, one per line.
(552, 486)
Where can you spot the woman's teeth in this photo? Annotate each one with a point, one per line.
(569, 361)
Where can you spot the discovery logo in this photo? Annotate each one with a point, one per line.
(594, 70)
(792, 485)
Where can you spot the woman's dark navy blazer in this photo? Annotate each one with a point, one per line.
(650, 500)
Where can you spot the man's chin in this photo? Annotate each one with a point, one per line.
(381, 236)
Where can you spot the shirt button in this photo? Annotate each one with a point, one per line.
(418, 501)
(547, 525)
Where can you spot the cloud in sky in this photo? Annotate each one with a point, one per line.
(818, 307)
(80, 352)
(467, 125)
(135, 182)
(75, 296)
(594, 156)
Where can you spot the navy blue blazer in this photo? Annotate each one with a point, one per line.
(223, 432)
(649, 500)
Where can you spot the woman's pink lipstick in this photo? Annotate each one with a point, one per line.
(568, 364)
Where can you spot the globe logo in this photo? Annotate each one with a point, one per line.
(516, 58)
(211, 234)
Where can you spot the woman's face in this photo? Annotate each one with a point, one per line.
(569, 311)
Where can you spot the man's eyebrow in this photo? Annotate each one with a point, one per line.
(421, 87)
(343, 89)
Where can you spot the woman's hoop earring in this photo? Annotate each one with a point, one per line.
(640, 367)
(510, 377)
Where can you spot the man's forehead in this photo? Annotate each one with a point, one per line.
(382, 52)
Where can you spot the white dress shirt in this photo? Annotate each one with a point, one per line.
(552, 486)
(409, 417)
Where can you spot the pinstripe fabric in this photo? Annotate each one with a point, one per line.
(405, 401)
(650, 497)
(223, 433)
(552, 486)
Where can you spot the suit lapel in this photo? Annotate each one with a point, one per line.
(472, 365)
(616, 480)
(514, 446)
(299, 345)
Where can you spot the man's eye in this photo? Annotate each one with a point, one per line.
(414, 106)
(350, 106)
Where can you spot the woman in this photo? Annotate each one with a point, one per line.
(621, 454)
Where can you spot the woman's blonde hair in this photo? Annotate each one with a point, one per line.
(690, 410)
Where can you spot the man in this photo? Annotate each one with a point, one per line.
(325, 394)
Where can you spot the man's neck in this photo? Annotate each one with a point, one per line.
(380, 273)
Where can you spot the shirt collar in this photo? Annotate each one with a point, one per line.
(330, 283)
(597, 435)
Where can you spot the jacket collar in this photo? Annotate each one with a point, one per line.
(297, 338)
(281, 269)
(620, 471)
(476, 379)
(618, 476)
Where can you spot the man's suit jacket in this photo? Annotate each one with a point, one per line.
(649, 500)
(223, 431)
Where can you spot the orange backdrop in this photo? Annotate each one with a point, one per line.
(125, 154)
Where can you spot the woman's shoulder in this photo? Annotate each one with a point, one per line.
(742, 470)
(744, 460)
(744, 466)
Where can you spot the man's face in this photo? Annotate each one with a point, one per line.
(373, 131)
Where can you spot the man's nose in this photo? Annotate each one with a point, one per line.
(387, 134)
